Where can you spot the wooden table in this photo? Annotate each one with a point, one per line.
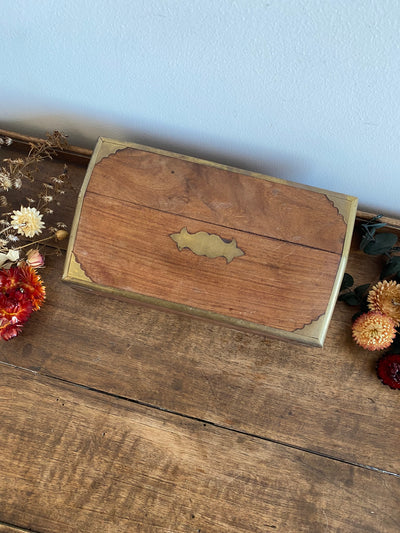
(119, 418)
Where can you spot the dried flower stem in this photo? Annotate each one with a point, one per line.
(35, 242)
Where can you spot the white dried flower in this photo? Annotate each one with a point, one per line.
(5, 140)
(27, 221)
(47, 198)
(17, 183)
(11, 255)
(5, 181)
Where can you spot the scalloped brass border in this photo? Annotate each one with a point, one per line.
(75, 271)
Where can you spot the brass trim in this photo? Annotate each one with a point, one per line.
(75, 270)
(78, 209)
(324, 321)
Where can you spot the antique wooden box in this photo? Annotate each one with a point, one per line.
(246, 250)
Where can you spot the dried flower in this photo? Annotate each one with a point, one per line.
(8, 330)
(388, 370)
(21, 292)
(21, 288)
(61, 234)
(47, 198)
(385, 298)
(27, 221)
(16, 308)
(12, 256)
(5, 140)
(374, 331)
(34, 258)
(32, 285)
(17, 184)
(5, 181)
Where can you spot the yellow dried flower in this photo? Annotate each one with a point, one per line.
(385, 298)
(374, 331)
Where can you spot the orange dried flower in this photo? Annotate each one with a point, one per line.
(32, 285)
(374, 331)
(385, 298)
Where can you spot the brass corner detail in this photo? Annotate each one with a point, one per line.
(75, 270)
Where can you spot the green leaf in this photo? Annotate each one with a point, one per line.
(361, 290)
(349, 298)
(382, 244)
(392, 267)
(347, 282)
(365, 241)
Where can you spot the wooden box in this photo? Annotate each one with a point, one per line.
(246, 250)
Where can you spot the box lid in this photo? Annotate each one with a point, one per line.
(247, 250)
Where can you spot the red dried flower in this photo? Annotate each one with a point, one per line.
(21, 292)
(388, 370)
(15, 309)
(8, 330)
(9, 279)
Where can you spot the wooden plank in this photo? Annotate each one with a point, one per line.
(75, 460)
(327, 400)
(22, 143)
(147, 262)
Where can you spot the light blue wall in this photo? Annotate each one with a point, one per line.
(305, 90)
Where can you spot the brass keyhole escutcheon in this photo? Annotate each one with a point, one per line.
(207, 244)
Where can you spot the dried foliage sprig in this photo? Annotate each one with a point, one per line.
(376, 325)
(23, 222)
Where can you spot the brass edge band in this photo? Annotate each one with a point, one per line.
(78, 209)
(344, 204)
(339, 275)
